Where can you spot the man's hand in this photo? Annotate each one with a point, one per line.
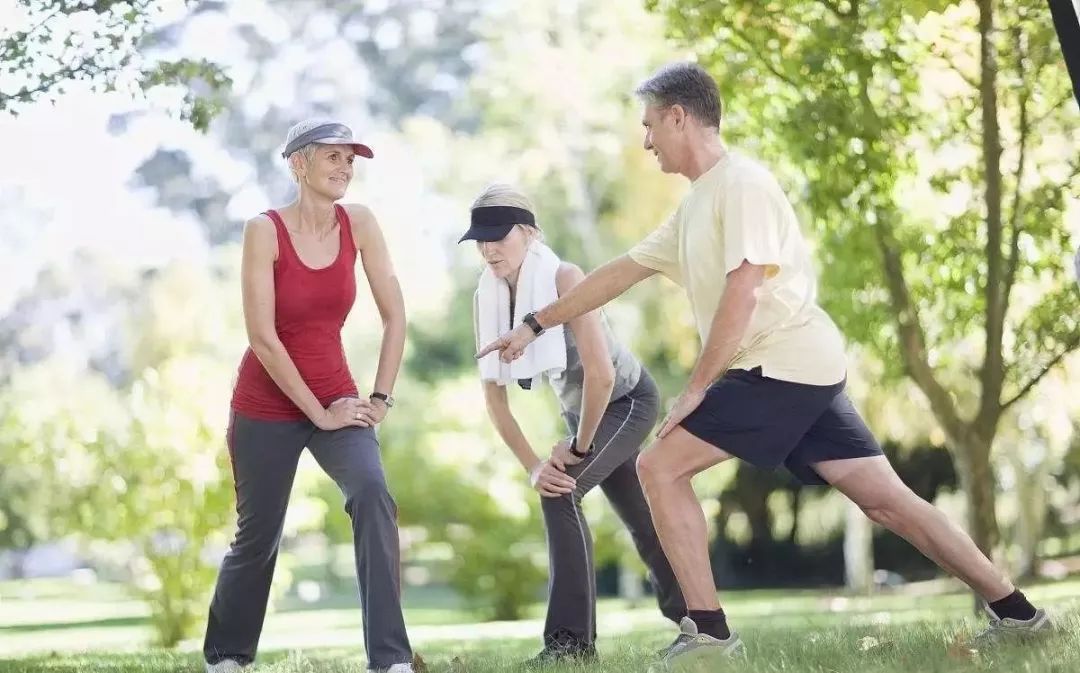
(561, 456)
(551, 482)
(510, 345)
(683, 407)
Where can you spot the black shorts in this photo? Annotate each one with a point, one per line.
(768, 423)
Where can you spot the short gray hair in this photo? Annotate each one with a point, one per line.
(686, 84)
(308, 152)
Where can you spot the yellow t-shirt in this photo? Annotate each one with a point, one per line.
(735, 211)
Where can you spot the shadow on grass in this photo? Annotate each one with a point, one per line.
(90, 623)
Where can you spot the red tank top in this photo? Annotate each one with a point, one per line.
(310, 306)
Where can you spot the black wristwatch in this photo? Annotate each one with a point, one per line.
(386, 399)
(573, 448)
(530, 320)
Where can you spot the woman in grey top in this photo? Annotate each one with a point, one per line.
(610, 404)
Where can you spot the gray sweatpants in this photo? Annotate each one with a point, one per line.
(264, 458)
(571, 617)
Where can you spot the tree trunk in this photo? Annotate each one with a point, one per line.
(858, 550)
(796, 507)
(630, 588)
(977, 479)
(1031, 511)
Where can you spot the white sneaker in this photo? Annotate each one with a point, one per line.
(1012, 630)
(224, 666)
(695, 651)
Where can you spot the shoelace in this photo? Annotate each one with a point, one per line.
(679, 640)
(988, 632)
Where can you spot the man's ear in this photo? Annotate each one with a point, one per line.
(678, 115)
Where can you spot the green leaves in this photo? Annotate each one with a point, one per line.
(207, 87)
(58, 45)
(918, 9)
(872, 114)
(859, 116)
(145, 466)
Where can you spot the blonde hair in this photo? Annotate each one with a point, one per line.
(308, 152)
(501, 194)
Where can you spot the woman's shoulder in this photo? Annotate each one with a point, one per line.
(567, 276)
(361, 220)
(359, 214)
(260, 226)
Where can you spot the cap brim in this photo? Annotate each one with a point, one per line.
(487, 234)
(360, 148)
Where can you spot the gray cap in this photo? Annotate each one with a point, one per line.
(323, 132)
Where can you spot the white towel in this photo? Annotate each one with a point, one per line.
(546, 356)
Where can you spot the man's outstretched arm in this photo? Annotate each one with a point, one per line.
(598, 288)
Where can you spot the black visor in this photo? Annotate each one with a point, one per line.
(493, 223)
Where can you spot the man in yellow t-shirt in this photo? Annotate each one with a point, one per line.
(768, 386)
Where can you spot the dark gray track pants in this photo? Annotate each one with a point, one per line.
(571, 617)
(264, 458)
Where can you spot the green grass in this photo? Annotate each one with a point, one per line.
(785, 632)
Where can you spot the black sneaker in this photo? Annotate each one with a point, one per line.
(562, 650)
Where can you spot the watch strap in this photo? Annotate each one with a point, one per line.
(534, 324)
(573, 449)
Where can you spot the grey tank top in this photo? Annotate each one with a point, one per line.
(569, 386)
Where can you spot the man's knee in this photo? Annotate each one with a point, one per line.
(893, 508)
(652, 469)
(882, 515)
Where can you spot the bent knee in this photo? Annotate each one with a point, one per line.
(645, 466)
(653, 469)
(367, 491)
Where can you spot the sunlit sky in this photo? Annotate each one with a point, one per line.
(67, 181)
(70, 183)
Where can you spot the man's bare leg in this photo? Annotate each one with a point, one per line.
(665, 470)
(873, 485)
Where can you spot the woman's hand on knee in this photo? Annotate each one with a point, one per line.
(347, 411)
(561, 456)
(551, 482)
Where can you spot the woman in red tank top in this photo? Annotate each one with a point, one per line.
(294, 391)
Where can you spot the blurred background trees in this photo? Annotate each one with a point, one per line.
(925, 146)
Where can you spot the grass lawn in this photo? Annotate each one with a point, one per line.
(785, 631)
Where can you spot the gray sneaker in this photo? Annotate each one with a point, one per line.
(1012, 630)
(224, 666)
(693, 651)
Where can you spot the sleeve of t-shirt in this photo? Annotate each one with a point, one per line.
(751, 217)
(659, 251)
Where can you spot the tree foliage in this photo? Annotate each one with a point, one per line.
(929, 143)
(103, 44)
